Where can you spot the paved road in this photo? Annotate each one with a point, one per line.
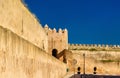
(94, 76)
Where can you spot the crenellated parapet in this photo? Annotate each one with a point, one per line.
(60, 31)
(57, 39)
(93, 47)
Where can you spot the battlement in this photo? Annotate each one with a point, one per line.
(60, 31)
(57, 39)
(93, 47)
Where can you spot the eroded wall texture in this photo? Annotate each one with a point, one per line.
(24, 45)
(56, 39)
(15, 16)
(20, 58)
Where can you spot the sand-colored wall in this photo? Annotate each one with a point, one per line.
(16, 17)
(107, 62)
(21, 59)
(91, 47)
(57, 39)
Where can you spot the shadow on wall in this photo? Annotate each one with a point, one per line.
(54, 53)
(61, 54)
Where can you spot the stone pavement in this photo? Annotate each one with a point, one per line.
(70, 75)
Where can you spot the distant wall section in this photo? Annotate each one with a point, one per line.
(94, 47)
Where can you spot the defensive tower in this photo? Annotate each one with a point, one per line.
(56, 39)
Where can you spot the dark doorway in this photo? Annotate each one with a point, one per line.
(54, 52)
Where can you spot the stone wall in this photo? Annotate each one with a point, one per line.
(107, 62)
(57, 39)
(94, 47)
(15, 16)
(20, 58)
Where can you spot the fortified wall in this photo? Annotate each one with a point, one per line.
(105, 57)
(56, 39)
(94, 47)
(24, 45)
(20, 58)
(15, 16)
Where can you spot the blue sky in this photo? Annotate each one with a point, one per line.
(88, 21)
